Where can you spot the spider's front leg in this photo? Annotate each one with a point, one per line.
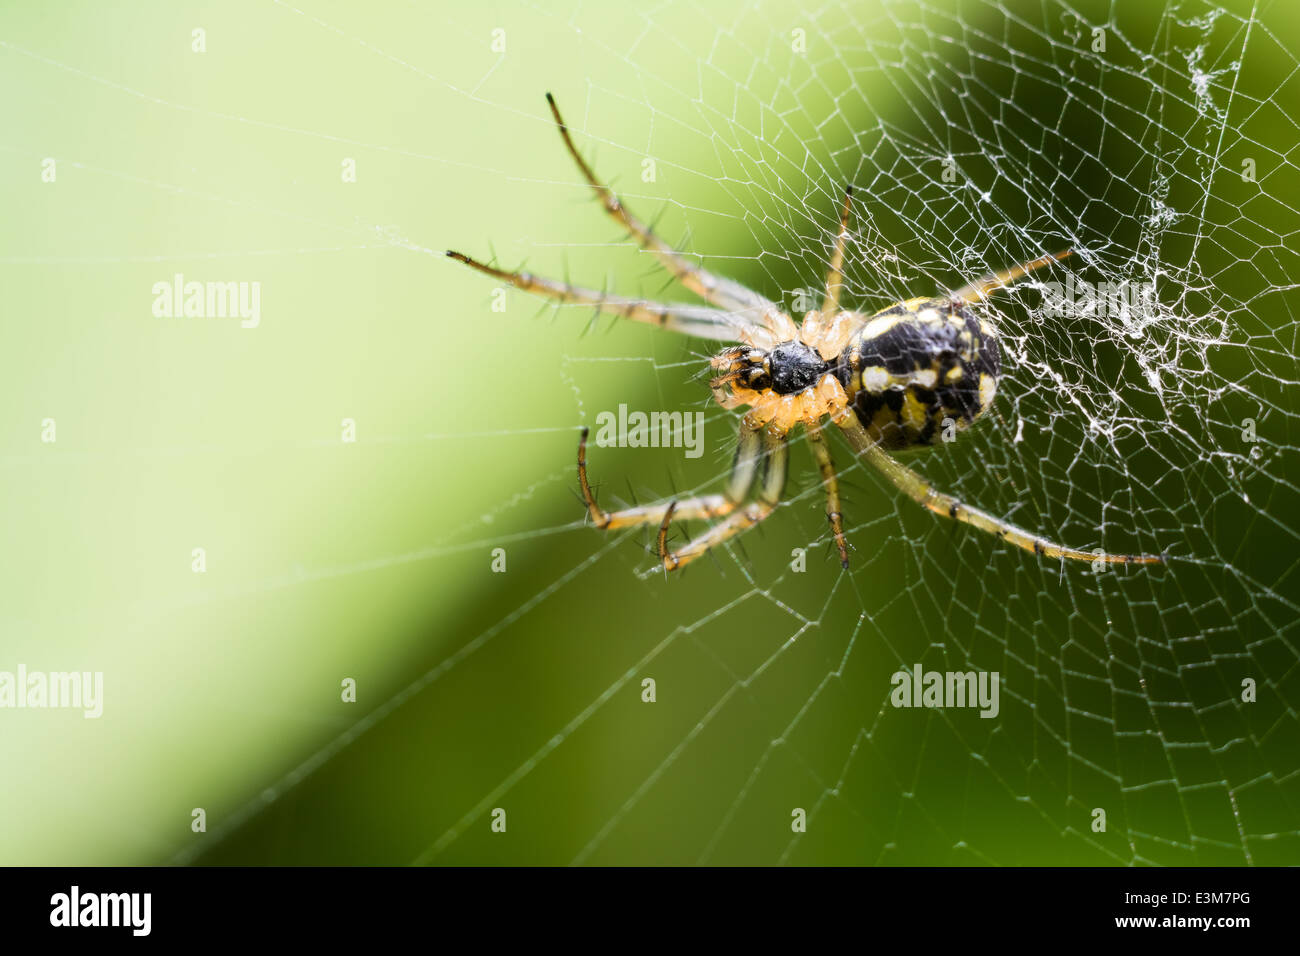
(744, 467)
(696, 320)
(776, 455)
(719, 290)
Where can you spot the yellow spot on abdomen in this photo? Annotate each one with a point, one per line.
(876, 379)
(881, 325)
(988, 388)
(914, 412)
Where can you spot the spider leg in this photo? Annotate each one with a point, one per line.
(817, 442)
(981, 287)
(776, 455)
(835, 274)
(924, 494)
(828, 330)
(696, 320)
(743, 469)
(716, 289)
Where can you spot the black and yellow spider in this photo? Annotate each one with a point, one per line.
(893, 380)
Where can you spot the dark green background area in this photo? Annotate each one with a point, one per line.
(522, 690)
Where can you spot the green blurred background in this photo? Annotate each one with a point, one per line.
(371, 560)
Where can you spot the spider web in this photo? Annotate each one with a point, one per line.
(976, 135)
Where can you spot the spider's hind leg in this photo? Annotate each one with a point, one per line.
(923, 493)
(981, 287)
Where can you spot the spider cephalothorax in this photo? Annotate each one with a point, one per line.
(906, 376)
(783, 386)
(795, 367)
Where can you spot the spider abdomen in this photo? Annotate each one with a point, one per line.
(920, 370)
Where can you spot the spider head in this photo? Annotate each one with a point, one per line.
(743, 366)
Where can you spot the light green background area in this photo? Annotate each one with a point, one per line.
(371, 560)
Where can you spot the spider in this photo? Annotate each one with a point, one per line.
(894, 380)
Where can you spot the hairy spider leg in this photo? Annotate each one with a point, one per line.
(828, 330)
(698, 320)
(776, 458)
(716, 289)
(743, 469)
(923, 493)
(977, 290)
(822, 453)
(835, 273)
